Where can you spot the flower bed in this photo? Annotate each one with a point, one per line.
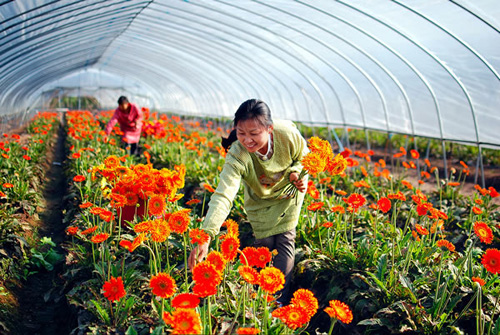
(375, 253)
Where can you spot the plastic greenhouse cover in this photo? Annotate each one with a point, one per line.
(426, 68)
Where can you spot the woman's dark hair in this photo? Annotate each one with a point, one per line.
(252, 109)
(122, 100)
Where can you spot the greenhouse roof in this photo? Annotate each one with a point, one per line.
(425, 68)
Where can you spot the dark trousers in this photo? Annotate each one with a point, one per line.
(284, 243)
(134, 147)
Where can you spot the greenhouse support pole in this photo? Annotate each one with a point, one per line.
(444, 160)
(367, 139)
(339, 142)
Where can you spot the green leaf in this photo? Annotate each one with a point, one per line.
(382, 267)
(131, 331)
(102, 313)
(370, 322)
(379, 283)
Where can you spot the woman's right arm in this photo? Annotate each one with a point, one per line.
(111, 123)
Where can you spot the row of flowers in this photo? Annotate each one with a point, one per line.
(379, 242)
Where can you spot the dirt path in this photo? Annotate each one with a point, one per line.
(42, 304)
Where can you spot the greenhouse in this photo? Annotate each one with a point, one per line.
(249, 167)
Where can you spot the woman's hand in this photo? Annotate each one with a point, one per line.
(198, 254)
(299, 184)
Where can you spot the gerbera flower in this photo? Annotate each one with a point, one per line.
(99, 238)
(483, 232)
(414, 154)
(26, 157)
(112, 162)
(86, 205)
(132, 198)
(199, 236)
(232, 227)
(247, 331)
(384, 204)
(208, 187)
(185, 300)
(229, 247)
(340, 311)
(249, 274)
(159, 230)
(292, 316)
(315, 206)
(421, 230)
(144, 226)
(163, 285)
(217, 259)
(179, 221)
(478, 280)
(491, 260)
(262, 257)
(206, 273)
(183, 321)
(477, 210)
(156, 205)
(337, 165)
(313, 163)
(89, 230)
(271, 279)
(305, 299)
(493, 192)
(193, 202)
(444, 244)
(355, 201)
(338, 209)
(423, 208)
(114, 289)
(78, 178)
(204, 290)
(72, 230)
(8, 185)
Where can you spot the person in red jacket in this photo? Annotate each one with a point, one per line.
(129, 117)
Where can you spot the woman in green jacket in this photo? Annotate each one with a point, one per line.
(265, 156)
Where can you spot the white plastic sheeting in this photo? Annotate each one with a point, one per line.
(419, 67)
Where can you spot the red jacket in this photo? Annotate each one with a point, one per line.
(130, 123)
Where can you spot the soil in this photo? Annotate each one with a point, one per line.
(43, 307)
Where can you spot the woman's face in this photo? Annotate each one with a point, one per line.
(253, 135)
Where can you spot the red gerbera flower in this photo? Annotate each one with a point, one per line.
(355, 201)
(478, 280)
(384, 204)
(204, 290)
(491, 260)
(8, 185)
(163, 285)
(217, 259)
(99, 238)
(230, 247)
(89, 230)
(185, 300)
(483, 232)
(72, 230)
(206, 273)
(86, 205)
(193, 202)
(477, 210)
(78, 178)
(114, 289)
(421, 230)
(199, 236)
(444, 244)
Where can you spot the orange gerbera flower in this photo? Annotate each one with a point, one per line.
(156, 205)
(483, 232)
(232, 227)
(414, 154)
(185, 300)
(384, 204)
(183, 321)
(249, 274)
(493, 192)
(86, 205)
(193, 202)
(271, 279)
(421, 230)
(89, 230)
(312, 190)
(478, 280)
(72, 230)
(132, 198)
(208, 187)
(444, 244)
(217, 259)
(477, 210)
(230, 247)
(78, 178)
(2, 195)
(247, 331)
(340, 311)
(99, 238)
(8, 185)
(112, 162)
(160, 230)
(199, 236)
(315, 206)
(179, 221)
(293, 316)
(336, 166)
(144, 226)
(491, 260)
(338, 209)
(204, 290)
(423, 208)
(205, 273)
(114, 289)
(305, 299)
(163, 285)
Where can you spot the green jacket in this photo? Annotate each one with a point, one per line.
(268, 211)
